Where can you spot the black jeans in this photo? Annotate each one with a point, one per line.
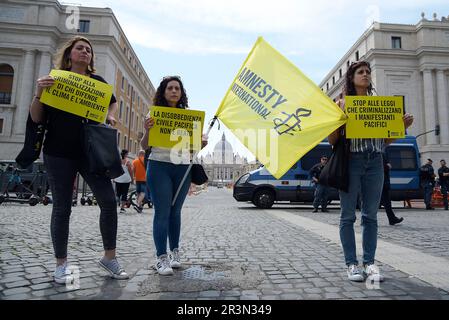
(61, 177)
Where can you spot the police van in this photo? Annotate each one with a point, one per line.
(296, 186)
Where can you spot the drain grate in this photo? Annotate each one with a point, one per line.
(200, 273)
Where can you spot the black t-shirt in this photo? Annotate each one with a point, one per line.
(64, 131)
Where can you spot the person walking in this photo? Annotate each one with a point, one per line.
(366, 176)
(164, 180)
(428, 183)
(385, 199)
(443, 178)
(140, 178)
(321, 191)
(122, 183)
(64, 157)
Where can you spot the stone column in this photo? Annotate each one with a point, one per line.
(429, 107)
(25, 93)
(45, 65)
(443, 108)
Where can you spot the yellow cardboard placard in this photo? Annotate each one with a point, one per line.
(79, 95)
(374, 117)
(276, 111)
(176, 127)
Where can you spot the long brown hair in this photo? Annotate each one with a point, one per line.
(349, 88)
(159, 97)
(62, 57)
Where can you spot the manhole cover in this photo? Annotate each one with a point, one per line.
(200, 273)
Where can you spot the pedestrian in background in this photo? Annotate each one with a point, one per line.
(443, 178)
(321, 191)
(64, 157)
(385, 200)
(366, 176)
(122, 183)
(427, 183)
(141, 180)
(164, 180)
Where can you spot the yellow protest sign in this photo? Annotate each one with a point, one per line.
(78, 94)
(374, 117)
(276, 111)
(176, 127)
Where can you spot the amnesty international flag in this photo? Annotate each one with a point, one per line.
(276, 111)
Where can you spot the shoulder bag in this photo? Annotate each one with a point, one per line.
(336, 171)
(101, 152)
(34, 136)
(199, 175)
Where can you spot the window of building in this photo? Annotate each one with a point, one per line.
(127, 115)
(123, 83)
(129, 89)
(396, 42)
(125, 142)
(84, 26)
(132, 119)
(1, 125)
(327, 86)
(357, 56)
(340, 74)
(347, 64)
(135, 147)
(333, 80)
(120, 111)
(118, 139)
(6, 80)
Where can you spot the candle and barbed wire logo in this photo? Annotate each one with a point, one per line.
(72, 22)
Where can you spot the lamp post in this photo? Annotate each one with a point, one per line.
(436, 130)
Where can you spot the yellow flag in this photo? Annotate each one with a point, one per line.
(276, 111)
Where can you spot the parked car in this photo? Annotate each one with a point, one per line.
(263, 190)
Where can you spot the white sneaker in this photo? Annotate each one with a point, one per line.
(354, 273)
(163, 266)
(62, 275)
(372, 273)
(175, 260)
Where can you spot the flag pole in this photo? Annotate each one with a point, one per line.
(191, 164)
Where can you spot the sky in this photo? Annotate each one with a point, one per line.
(206, 42)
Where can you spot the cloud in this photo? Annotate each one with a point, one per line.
(231, 26)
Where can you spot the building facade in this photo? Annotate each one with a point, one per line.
(410, 61)
(223, 166)
(30, 34)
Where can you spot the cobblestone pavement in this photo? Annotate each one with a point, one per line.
(230, 251)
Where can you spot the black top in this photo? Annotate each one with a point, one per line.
(444, 180)
(316, 170)
(427, 173)
(64, 131)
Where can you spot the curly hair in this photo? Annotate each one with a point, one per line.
(159, 97)
(349, 88)
(62, 57)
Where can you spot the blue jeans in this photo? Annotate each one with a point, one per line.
(163, 182)
(365, 174)
(321, 194)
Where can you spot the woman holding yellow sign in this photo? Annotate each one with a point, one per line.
(164, 176)
(365, 174)
(63, 158)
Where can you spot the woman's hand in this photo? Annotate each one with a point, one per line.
(111, 119)
(408, 120)
(148, 123)
(42, 83)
